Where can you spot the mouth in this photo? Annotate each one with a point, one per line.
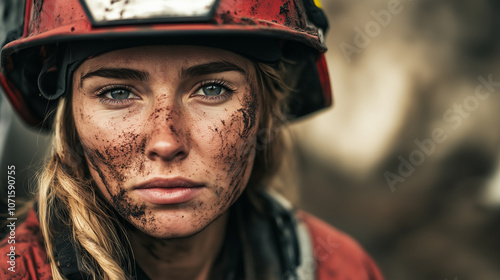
(164, 191)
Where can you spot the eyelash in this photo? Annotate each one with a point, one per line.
(217, 98)
(108, 88)
(229, 90)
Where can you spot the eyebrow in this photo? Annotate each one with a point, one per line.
(210, 68)
(132, 74)
(117, 73)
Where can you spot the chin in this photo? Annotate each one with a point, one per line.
(165, 225)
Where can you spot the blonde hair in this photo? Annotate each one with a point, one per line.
(68, 196)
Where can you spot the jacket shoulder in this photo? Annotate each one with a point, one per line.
(24, 255)
(337, 256)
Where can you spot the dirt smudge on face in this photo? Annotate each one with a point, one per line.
(114, 161)
(249, 117)
(235, 154)
(120, 200)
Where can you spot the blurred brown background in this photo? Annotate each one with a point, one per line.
(407, 161)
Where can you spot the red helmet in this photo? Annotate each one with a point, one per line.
(264, 30)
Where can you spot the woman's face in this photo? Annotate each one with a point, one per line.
(168, 133)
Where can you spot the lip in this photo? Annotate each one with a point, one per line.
(168, 190)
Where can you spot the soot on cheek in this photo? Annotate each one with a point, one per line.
(126, 208)
(116, 161)
(235, 153)
(121, 158)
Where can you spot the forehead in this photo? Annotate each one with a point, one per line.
(152, 57)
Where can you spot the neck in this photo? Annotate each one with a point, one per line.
(181, 258)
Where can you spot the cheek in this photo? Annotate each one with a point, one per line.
(119, 155)
(111, 141)
(112, 165)
(113, 154)
(233, 149)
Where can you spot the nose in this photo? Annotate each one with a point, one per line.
(167, 142)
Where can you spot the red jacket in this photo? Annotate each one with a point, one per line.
(337, 256)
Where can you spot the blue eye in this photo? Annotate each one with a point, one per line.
(118, 94)
(215, 89)
(212, 90)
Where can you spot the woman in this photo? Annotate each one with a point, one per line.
(166, 127)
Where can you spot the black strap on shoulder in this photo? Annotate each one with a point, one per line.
(285, 231)
(65, 252)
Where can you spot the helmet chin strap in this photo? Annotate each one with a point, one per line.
(48, 78)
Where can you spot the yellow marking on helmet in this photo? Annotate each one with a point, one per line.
(318, 3)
